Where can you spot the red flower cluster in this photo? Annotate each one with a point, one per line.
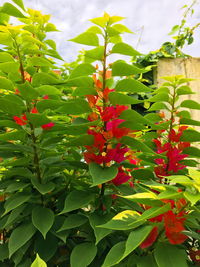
(173, 224)
(104, 150)
(173, 150)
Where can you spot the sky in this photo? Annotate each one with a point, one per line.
(150, 20)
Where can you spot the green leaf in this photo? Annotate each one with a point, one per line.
(77, 199)
(157, 106)
(44, 78)
(8, 67)
(37, 119)
(95, 221)
(48, 104)
(96, 53)
(121, 68)
(86, 38)
(43, 219)
(131, 86)
(19, 3)
(100, 21)
(121, 28)
(39, 61)
(190, 136)
(4, 254)
(190, 104)
(122, 220)
(83, 69)
(95, 29)
(159, 97)
(193, 198)
(6, 84)
(135, 238)
(102, 175)
(5, 38)
(20, 236)
(43, 188)
(150, 213)
(147, 198)
(83, 140)
(83, 254)
(169, 194)
(50, 27)
(192, 152)
(27, 91)
(82, 81)
(188, 121)
(79, 91)
(146, 261)
(121, 99)
(133, 116)
(169, 255)
(135, 144)
(115, 254)
(124, 49)
(48, 90)
(12, 10)
(73, 221)
(5, 57)
(184, 90)
(75, 107)
(38, 262)
(14, 201)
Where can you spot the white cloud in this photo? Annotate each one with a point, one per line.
(156, 17)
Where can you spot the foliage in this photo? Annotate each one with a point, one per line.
(86, 180)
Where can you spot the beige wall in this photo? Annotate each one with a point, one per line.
(190, 68)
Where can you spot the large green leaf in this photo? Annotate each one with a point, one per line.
(86, 38)
(27, 91)
(124, 49)
(96, 53)
(14, 201)
(83, 69)
(115, 254)
(5, 38)
(5, 57)
(83, 140)
(48, 90)
(188, 121)
(75, 107)
(19, 3)
(11, 10)
(82, 81)
(38, 262)
(121, 68)
(122, 220)
(9, 66)
(6, 84)
(73, 221)
(169, 255)
(136, 144)
(133, 116)
(44, 78)
(43, 219)
(146, 198)
(4, 251)
(95, 221)
(102, 175)
(77, 199)
(37, 119)
(83, 254)
(192, 151)
(135, 238)
(20, 236)
(131, 86)
(39, 61)
(122, 99)
(190, 136)
(190, 104)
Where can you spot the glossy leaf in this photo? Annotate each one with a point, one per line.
(83, 254)
(38, 262)
(190, 104)
(101, 175)
(86, 38)
(11, 10)
(42, 219)
(121, 68)
(121, 99)
(124, 49)
(131, 86)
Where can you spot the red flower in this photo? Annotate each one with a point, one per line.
(34, 110)
(21, 120)
(45, 97)
(174, 226)
(151, 238)
(121, 177)
(113, 127)
(99, 140)
(47, 126)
